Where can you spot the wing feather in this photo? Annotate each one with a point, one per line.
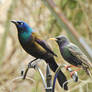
(43, 44)
(79, 54)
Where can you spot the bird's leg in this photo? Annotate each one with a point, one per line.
(30, 63)
(72, 73)
(76, 67)
(68, 66)
(73, 66)
(29, 66)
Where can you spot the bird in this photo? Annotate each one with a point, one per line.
(73, 54)
(34, 45)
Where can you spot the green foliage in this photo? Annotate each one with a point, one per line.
(69, 3)
(78, 18)
(69, 7)
(72, 4)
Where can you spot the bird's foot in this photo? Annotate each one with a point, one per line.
(29, 66)
(74, 66)
(67, 66)
(73, 72)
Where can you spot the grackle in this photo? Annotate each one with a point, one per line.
(37, 47)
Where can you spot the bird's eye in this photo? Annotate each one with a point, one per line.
(20, 23)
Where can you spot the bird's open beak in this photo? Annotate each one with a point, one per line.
(53, 39)
(14, 21)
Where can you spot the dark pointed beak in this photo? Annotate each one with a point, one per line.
(14, 21)
(53, 39)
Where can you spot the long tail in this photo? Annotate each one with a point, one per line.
(61, 77)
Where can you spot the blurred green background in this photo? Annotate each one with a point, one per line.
(13, 58)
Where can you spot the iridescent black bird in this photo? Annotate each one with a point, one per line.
(35, 46)
(72, 54)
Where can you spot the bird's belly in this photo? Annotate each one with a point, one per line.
(71, 59)
(65, 54)
(34, 50)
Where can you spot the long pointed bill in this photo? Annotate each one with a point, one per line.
(53, 39)
(14, 21)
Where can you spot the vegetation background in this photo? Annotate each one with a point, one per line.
(13, 58)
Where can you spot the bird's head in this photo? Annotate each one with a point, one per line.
(22, 26)
(61, 39)
(24, 30)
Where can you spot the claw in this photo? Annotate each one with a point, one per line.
(29, 66)
(72, 73)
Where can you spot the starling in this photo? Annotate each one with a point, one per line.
(72, 54)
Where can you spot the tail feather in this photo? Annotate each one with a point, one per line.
(61, 77)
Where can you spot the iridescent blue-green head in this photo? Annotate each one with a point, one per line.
(24, 30)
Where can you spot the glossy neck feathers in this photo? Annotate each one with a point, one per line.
(24, 34)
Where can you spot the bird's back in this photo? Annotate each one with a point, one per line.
(68, 56)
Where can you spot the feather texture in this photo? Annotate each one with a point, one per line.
(35, 46)
(73, 55)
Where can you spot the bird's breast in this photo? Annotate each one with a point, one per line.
(65, 53)
(33, 49)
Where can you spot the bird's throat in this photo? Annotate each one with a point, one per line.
(24, 37)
